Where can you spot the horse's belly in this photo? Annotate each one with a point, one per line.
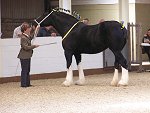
(92, 50)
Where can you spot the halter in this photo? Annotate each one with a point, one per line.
(48, 16)
(43, 18)
(36, 29)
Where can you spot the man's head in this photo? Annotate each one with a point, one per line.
(26, 28)
(148, 32)
(86, 21)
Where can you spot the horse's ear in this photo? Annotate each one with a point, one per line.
(50, 10)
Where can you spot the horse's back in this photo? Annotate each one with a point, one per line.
(91, 39)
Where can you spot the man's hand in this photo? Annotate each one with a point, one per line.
(36, 46)
(53, 34)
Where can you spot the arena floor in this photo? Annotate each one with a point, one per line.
(97, 96)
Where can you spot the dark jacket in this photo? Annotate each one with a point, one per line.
(26, 50)
(43, 32)
(146, 38)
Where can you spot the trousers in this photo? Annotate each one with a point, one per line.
(25, 77)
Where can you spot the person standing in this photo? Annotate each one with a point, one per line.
(146, 39)
(17, 31)
(25, 54)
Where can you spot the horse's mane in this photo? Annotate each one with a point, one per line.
(74, 13)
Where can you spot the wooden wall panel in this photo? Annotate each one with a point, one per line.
(15, 12)
(22, 9)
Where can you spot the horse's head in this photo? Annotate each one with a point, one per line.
(60, 20)
(43, 20)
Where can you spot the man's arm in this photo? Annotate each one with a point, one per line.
(146, 40)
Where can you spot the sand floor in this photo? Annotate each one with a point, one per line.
(97, 96)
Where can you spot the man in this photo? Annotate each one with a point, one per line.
(146, 39)
(25, 54)
(17, 31)
(85, 21)
(47, 31)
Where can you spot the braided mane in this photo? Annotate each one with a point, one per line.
(74, 13)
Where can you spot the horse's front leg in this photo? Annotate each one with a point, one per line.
(81, 80)
(69, 76)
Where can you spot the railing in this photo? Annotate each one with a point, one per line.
(134, 45)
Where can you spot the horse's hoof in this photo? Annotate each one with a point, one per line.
(121, 83)
(80, 82)
(114, 83)
(66, 83)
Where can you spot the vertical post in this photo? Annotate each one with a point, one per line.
(129, 46)
(132, 43)
(124, 16)
(65, 4)
(124, 11)
(140, 49)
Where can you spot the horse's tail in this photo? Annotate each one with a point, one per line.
(125, 33)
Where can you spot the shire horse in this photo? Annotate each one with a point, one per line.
(78, 38)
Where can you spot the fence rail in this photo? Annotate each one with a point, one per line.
(134, 44)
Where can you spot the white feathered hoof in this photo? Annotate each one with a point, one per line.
(121, 83)
(80, 82)
(114, 83)
(66, 83)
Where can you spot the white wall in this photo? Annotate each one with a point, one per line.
(46, 59)
(0, 43)
(0, 18)
(81, 2)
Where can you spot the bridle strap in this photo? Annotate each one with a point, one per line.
(36, 29)
(43, 18)
(48, 16)
(70, 30)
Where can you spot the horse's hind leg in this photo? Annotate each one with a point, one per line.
(81, 80)
(124, 77)
(69, 76)
(122, 61)
(114, 81)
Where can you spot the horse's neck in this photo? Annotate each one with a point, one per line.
(63, 26)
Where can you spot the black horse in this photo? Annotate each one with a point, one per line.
(78, 38)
